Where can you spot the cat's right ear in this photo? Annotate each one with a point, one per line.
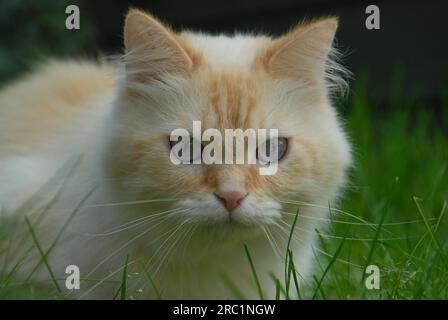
(152, 49)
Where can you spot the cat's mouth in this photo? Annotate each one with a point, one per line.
(230, 228)
(240, 219)
(250, 214)
(234, 222)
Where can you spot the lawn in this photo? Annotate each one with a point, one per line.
(393, 214)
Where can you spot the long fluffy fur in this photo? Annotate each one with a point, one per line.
(164, 216)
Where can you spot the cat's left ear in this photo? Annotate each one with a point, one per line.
(303, 52)
(153, 49)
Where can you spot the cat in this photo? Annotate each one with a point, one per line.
(88, 143)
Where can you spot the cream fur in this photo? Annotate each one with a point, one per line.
(118, 118)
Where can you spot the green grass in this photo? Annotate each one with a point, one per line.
(399, 183)
(393, 213)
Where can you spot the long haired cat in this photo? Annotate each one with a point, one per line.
(89, 144)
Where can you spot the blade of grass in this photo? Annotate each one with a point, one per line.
(59, 235)
(27, 206)
(294, 274)
(277, 289)
(232, 286)
(441, 215)
(275, 279)
(430, 231)
(151, 281)
(428, 272)
(254, 273)
(319, 289)
(378, 230)
(44, 258)
(124, 277)
(333, 259)
(287, 274)
(106, 278)
(374, 244)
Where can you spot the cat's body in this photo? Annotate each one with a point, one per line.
(119, 120)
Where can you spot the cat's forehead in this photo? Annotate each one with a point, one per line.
(227, 89)
(230, 99)
(224, 52)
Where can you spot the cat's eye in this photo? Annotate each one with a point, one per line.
(183, 143)
(279, 150)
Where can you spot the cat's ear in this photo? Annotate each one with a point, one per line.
(303, 52)
(152, 49)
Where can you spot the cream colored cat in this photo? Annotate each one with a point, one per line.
(182, 225)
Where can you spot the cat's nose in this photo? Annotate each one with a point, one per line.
(230, 199)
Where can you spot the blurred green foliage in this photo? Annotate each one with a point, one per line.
(31, 30)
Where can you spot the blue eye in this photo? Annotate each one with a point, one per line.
(265, 154)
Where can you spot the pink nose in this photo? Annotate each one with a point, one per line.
(230, 199)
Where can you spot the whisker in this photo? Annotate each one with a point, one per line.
(137, 222)
(373, 226)
(284, 237)
(296, 202)
(124, 246)
(346, 238)
(188, 240)
(319, 250)
(103, 280)
(352, 223)
(126, 203)
(160, 247)
(170, 250)
(171, 247)
(175, 228)
(274, 247)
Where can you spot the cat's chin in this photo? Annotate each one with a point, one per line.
(232, 224)
(229, 231)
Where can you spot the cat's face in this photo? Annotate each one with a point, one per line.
(227, 83)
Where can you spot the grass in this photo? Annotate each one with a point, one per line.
(399, 185)
(254, 273)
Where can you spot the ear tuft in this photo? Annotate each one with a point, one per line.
(304, 53)
(152, 48)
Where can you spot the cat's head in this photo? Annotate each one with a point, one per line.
(228, 82)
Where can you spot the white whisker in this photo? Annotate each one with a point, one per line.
(320, 250)
(137, 222)
(126, 203)
(346, 238)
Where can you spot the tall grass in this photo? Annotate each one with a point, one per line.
(399, 182)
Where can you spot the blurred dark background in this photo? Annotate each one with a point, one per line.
(411, 48)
